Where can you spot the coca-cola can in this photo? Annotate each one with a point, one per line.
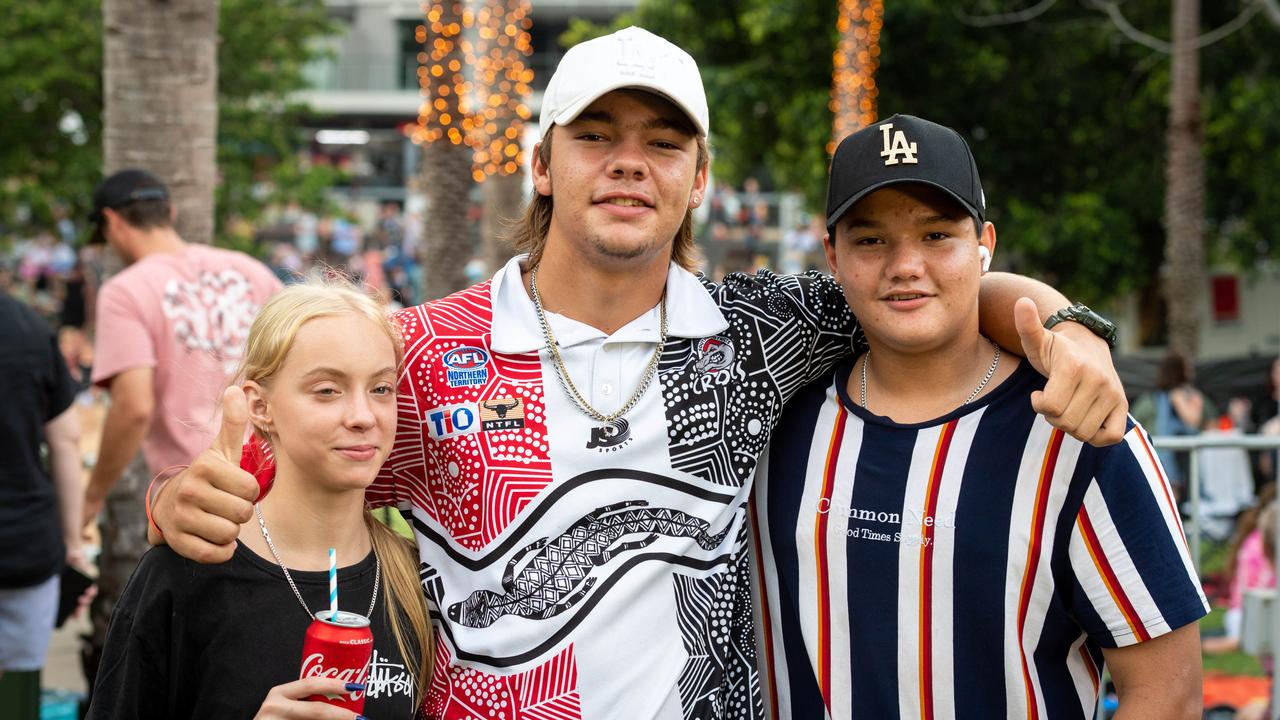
(338, 646)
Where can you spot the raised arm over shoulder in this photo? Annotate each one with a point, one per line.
(1084, 396)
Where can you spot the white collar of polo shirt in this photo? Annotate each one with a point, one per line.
(691, 313)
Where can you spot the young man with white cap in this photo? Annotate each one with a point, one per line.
(932, 547)
(578, 435)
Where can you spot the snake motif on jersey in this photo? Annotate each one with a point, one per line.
(556, 577)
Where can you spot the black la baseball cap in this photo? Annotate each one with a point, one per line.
(902, 149)
(121, 189)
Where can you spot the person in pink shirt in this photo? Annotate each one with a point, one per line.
(1252, 566)
(170, 328)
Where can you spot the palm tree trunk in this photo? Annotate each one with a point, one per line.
(502, 81)
(446, 154)
(1185, 277)
(503, 204)
(447, 244)
(160, 79)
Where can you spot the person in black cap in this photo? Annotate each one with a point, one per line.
(932, 547)
(169, 328)
(135, 194)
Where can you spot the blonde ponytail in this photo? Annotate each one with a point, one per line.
(404, 602)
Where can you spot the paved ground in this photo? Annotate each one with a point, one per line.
(62, 671)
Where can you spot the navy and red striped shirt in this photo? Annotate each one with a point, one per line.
(973, 566)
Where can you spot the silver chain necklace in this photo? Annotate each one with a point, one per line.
(377, 568)
(562, 372)
(991, 371)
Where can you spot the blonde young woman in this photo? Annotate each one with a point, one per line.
(195, 641)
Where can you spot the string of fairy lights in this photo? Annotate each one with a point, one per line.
(485, 109)
(857, 57)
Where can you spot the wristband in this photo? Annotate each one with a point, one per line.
(153, 490)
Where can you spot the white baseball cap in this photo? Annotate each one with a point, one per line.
(629, 58)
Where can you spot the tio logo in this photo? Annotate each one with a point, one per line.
(451, 421)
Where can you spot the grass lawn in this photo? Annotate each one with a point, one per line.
(1236, 663)
(1212, 562)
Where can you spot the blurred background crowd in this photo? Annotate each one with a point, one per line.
(390, 140)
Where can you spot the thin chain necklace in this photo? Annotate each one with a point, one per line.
(562, 372)
(377, 568)
(991, 371)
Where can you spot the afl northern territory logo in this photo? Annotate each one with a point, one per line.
(466, 366)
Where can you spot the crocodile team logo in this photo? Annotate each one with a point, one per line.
(552, 574)
(611, 436)
(715, 354)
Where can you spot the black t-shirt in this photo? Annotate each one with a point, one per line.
(35, 388)
(210, 641)
(74, 309)
(1262, 411)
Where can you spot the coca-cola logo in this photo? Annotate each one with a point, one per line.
(313, 666)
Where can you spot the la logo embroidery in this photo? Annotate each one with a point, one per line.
(897, 146)
(633, 60)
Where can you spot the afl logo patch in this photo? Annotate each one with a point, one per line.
(466, 366)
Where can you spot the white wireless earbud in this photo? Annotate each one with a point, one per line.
(985, 256)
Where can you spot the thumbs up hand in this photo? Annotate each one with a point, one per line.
(201, 509)
(1084, 396)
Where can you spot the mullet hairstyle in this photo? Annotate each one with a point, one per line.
(270, 339)
(529, 234)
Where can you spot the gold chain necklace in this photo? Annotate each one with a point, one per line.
(562, 372)
(991, 371)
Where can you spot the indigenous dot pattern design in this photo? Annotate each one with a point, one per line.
(720, 679)
(482, 479)
(783, 332)
(786, 331)
(547, 692)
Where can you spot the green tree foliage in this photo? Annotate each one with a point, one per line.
(1065, 114)
(1242, 134)
(51, 102)
(50, 79)
(265, 46)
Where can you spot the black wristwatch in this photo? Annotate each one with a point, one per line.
(1099, 325)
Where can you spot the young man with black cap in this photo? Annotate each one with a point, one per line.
(578, 434)
(169, 329)
(931, 546)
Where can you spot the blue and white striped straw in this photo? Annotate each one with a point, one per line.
(333, 584)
